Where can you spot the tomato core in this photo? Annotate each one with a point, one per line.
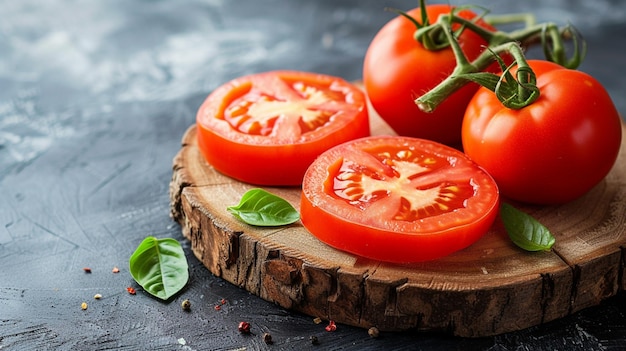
(259, 113)
(421, 197)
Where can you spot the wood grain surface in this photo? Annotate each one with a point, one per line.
(490, 288)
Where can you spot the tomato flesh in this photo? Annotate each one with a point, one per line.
(397, 199)
(267, 128)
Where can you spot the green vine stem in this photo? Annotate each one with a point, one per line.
(527, 18)
(549, 34)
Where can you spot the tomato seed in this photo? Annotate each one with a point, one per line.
(97, 296)
(83, 306)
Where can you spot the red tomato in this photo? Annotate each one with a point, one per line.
(398, 69)
(267, 128)
(552, 151)
(397, 199)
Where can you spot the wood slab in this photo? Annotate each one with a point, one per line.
(490, 288)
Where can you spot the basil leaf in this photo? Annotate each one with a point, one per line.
(525, 231)
(261, 208)
(160, 266)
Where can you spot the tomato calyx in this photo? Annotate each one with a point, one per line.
(427, 41)
(513, 92)
(432, 37)
(552, 41)
(430, 42)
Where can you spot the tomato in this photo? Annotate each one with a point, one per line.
(397, 199)
(267, 128)
(552, 151)
(398, 69)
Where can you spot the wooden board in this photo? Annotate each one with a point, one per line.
(492, 287)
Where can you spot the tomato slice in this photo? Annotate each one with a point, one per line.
(397, 199)
(267, 128)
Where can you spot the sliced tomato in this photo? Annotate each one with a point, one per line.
(397, 199)
(267, 128)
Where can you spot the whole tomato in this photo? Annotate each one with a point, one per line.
(398, 69)
(553, 150)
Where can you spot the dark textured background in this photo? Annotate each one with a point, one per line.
(94, 99)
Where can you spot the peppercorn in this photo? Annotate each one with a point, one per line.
(186, 305)
(267, 337)
(314, 340)
(373, 332)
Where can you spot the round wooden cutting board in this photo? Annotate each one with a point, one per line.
(492, 287)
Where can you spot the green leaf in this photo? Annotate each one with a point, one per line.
(261, 208)
(525, 231)
(160, 266)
